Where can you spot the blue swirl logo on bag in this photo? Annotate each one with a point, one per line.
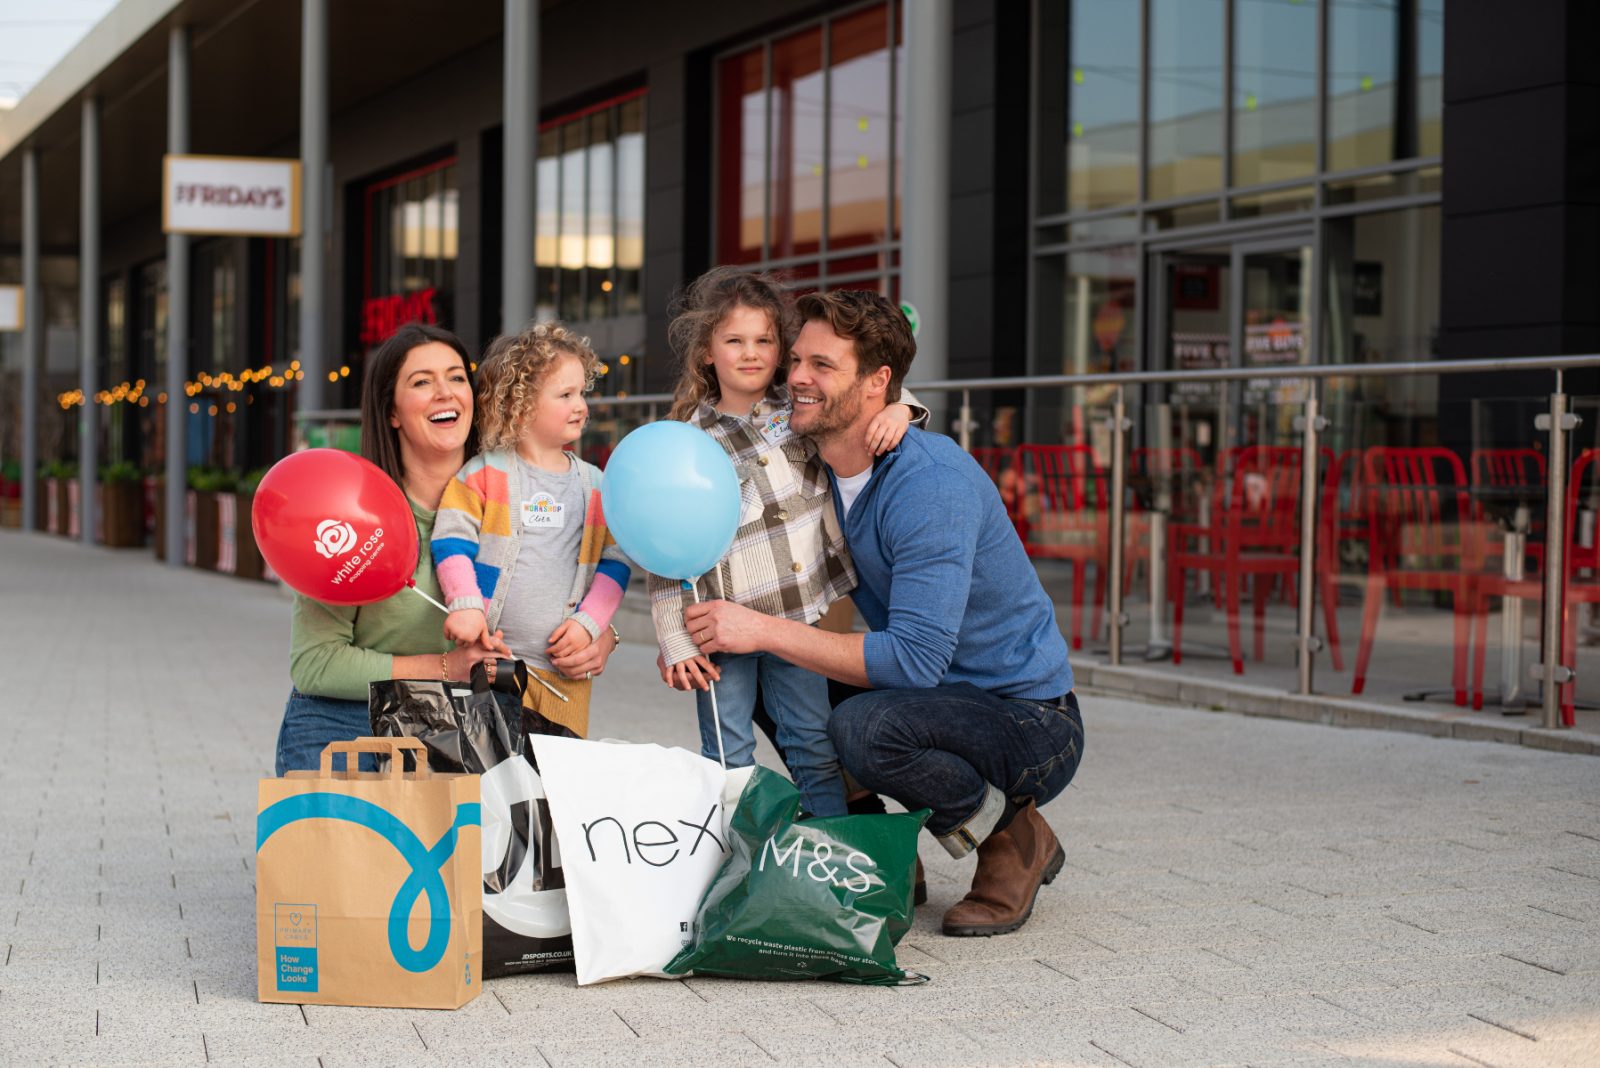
(425, 879)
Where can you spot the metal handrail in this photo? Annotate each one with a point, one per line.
(1557, 421)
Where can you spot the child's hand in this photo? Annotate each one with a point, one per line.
(887, 428)
(695, 673)
(467, 626)
(568, 639)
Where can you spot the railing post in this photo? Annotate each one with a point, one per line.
(1312, 424)
(1553, 673)
(1119, 481)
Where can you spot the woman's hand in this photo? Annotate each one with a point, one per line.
(587, 661)
(887, 428)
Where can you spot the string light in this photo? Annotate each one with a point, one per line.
(133, 392)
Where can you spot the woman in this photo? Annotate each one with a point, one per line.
(416, 424)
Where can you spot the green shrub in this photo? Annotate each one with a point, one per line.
(119, 473)
(251, 479)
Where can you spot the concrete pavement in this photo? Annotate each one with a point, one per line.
(1239, 891)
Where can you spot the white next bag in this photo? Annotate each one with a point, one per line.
(642, 831)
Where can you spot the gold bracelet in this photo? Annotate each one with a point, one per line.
(444, 667)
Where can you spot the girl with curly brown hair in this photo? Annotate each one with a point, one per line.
(520, 544)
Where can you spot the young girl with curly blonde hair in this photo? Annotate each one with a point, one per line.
(520, 544)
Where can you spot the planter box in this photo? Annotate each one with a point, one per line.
(202, 533)
(122, 514)
(158, 492)
(251, 566)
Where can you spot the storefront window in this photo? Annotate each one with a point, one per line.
(589, 213)
(412, 232)
(1091, 146)
(1382, 286)
(807, 152)
(1274, 90)
(1385, 81)
(1185, 134)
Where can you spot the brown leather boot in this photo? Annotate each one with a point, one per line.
(919, 886)
(1011, 866)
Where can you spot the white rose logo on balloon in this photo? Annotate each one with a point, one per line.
(334, 538)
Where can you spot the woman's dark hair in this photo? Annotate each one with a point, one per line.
(380, 442)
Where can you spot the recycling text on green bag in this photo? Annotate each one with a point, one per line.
(824, 899)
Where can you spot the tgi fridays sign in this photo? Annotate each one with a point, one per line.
(230, 195)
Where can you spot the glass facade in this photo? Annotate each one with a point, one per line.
(589, 227)
(1234, 183)
(411, 225)
(807, 152)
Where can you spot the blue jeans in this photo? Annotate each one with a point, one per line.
(310, 723)
(797, 701)
(963, 752)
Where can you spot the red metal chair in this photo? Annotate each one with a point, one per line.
(1424, 535)
(1254, 532)
(1062, 516)
(1341, 517)
(1000, 464)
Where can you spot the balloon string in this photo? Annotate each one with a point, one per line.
(412, 586)
(716, 717)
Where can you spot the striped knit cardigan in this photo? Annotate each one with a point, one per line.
(475, 547)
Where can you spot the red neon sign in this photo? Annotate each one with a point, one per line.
(382, 316)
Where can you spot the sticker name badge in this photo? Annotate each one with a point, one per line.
(543, 512)
(777, 428)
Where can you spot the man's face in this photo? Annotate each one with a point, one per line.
(823, 384)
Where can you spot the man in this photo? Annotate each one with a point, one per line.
(970, 710)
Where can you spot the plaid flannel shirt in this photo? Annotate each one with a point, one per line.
(789, 557)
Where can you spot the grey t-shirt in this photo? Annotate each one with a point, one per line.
(549, 525)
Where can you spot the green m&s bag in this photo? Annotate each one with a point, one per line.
(823, 899)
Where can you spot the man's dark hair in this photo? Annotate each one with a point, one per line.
(380, 442)
(881, 334)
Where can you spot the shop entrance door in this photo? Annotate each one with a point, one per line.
(1242, 304)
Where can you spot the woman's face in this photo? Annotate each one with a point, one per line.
(432, 401)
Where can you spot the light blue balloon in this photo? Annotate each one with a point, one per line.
(671, 499)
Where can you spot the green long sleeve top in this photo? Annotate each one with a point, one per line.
(336, 650)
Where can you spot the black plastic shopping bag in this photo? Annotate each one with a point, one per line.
(483, 729)
(820, 899)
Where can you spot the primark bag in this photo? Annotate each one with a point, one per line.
(820, 899)
(483, 729)
(367, 885)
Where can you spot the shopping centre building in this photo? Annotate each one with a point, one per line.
(1130, 184)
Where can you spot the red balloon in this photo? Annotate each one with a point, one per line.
(335, 527)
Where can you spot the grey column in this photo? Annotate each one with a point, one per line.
(310, 390)
(177, 307)
(89, 322)
(521, 148)
(925, 230)
(32, 336)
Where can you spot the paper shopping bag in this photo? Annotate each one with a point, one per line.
(483, 729)
(368, 889)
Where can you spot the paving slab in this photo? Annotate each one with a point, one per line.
(1239, 890)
